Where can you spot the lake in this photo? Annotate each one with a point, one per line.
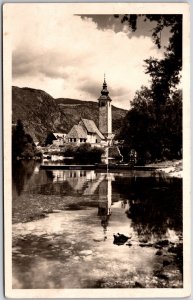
(94, 229)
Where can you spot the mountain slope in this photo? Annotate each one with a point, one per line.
(41, 113)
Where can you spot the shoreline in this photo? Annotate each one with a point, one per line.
(172, 168)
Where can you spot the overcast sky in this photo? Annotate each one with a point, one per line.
(67, 55)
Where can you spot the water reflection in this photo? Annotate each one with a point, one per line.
(89, 183)
(105, 201)
(153, 204)
(22, 172)
(91, 208)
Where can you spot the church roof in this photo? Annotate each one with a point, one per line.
(104, 92)
(104, 97)
(92, 128)
(81, 130)
(77, 132)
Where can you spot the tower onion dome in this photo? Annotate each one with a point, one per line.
(104, 93)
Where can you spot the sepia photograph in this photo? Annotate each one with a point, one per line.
(97, 150)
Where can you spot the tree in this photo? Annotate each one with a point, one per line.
(87, 153)
(18, 135)
(138, 130)
(50, 138)
(153, 127)
(171, 125)
(22, 143)
(152, 137)
(165, 73)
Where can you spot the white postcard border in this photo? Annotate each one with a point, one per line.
(100, 8)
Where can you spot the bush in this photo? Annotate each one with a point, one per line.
(69, 150)
(23, 145)
(28, 152)
(38, 154)
(85, 153)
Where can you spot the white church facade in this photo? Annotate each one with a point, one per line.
(85, 132)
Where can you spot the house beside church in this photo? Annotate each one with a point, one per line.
(60, 138)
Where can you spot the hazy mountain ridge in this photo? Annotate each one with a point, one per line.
(41, 113)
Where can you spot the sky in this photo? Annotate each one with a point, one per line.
(67, 55)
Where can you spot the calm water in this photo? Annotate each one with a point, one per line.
(64, 223)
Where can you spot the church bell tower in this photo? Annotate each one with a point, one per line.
(105, 112)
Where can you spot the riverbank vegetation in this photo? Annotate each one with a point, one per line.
(153, 126)
(84, 153)
(154, 134)
(23, 146)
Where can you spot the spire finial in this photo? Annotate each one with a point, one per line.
(104, 78)
(105, 92)
(104, 83)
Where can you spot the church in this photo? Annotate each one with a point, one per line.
(87, 132)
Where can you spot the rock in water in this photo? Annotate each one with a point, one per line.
(143, 241)
(120, 239)
(86, 252)
(159, 252)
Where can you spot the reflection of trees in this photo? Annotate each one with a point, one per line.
(21, 173)
(49, 175)
(155, 205)
(44, 184)
(54, 188)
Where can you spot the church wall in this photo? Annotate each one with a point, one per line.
(109, 118)
(103, 122)
(91, 138)
(105, 118)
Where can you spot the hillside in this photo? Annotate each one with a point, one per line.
(41, 113)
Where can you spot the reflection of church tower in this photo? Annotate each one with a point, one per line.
(105, 112)
(105, 201)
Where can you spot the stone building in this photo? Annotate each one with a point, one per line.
(60, 138)
(85, 132)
